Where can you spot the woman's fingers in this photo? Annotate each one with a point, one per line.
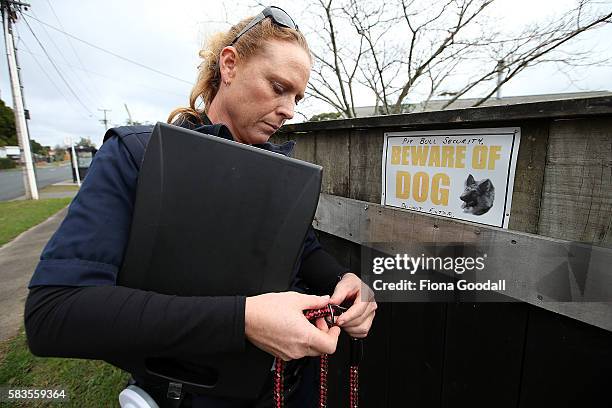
(321, 342)
(311, 301)
(348, 287)
(354, 312)
(322, 324)
(370, 308)
(361, 330)
(360, 325)
(275, 323)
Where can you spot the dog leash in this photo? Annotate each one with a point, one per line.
(329, 313)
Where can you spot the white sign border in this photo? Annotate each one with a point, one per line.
(516, 141)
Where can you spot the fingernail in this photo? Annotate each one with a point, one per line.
(326, 297)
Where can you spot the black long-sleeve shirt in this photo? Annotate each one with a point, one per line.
(103, 322)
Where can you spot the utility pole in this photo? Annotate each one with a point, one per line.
(75, 164)
(105, 120)
(9, 16)
(500, 70)
(130, 121)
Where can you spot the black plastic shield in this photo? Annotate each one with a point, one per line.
(214, 217)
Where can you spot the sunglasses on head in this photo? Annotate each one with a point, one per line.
(278, 16)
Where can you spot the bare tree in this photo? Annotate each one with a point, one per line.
(536, 45)
(400, 48)
(334, 78)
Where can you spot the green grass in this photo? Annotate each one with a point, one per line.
(87, 383)
(20, 215)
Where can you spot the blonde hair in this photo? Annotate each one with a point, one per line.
(209, 76)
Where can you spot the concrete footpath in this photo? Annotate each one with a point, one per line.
(18, 258)
(62, 189)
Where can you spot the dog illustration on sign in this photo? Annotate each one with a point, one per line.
(478, 196)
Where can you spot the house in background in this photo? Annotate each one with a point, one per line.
(12, 152)
(438, 104)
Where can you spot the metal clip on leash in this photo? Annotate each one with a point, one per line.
(329, 313)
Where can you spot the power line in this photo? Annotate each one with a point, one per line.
(27, 49)
(93, 83)
(114, 79)
(57, 69)
(109, 52)
(88, 94)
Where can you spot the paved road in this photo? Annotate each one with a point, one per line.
(11, 181)
(18, 259)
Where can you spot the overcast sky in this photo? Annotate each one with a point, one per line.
(167, 38)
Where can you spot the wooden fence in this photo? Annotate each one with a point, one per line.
(537, 351)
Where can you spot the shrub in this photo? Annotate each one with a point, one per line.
(6, 163)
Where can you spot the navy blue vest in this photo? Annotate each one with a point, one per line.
(136, 138)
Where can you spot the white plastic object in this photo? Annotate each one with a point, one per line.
(135, 397)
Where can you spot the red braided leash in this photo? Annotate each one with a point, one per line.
(356, 354)
(329, 313)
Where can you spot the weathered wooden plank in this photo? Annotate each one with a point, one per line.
(557, 275)
(577, 196)
(529, 177)
(365, 164)
(304, 144)
(568, 108)
(375, 373)
(566, 363)
(333, 154)
(483, 354)
(416, 346)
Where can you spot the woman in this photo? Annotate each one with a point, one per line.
(250, 80)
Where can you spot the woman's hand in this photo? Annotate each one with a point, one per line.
(275, 323)
(357, 320)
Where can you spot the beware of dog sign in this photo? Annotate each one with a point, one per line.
(466, 174)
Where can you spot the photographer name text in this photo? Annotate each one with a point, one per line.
(428, 285)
